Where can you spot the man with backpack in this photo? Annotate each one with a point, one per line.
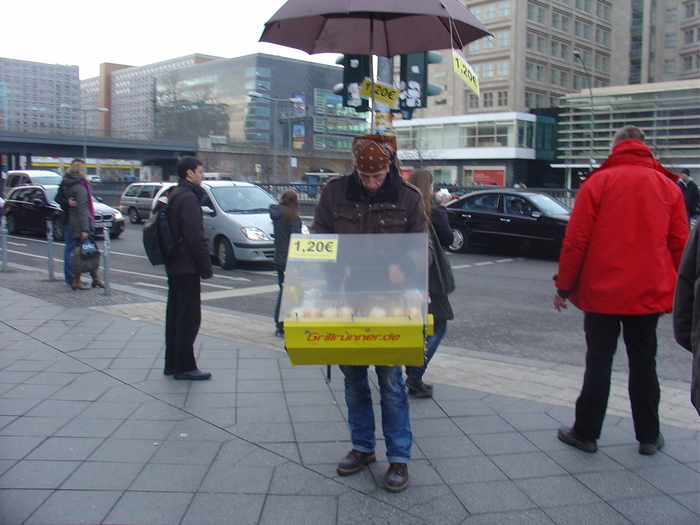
(190, 264)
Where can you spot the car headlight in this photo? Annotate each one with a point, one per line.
(255, 234)
(118, 216)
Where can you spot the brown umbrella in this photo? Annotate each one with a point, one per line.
(373, 27)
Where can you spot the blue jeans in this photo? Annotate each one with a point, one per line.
(71, 243)
(394, 403)
(431, 344)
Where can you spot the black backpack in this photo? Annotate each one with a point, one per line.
(158, 238)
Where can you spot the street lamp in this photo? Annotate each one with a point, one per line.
(274, 99)
(577, 54)
(85, 110)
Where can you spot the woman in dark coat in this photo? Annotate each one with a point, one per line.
(285, 221)
(439, 305)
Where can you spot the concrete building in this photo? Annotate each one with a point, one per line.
(37, 97)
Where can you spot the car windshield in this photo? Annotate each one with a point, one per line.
(51, 193)
(549, 205)
(242, 199)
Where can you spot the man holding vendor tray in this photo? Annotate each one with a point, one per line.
(374, 199)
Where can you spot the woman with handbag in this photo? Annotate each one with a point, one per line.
(81, 217)
(439, 305)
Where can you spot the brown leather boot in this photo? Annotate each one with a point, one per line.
(77, 284)
(96, 281)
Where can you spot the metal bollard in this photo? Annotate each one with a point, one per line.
(107, 243)
(3, 230)
(49, 240)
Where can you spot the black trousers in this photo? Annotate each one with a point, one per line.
(639, 334)
(280, 281)
(183, 315)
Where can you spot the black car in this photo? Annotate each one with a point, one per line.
(507, 218)
(27, 208)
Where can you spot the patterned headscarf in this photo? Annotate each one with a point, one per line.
(373, 153)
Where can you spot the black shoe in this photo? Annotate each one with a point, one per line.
(355, 462)
(568, 436)
(649, 449)
(168, 371)
(396, 477)
(279, 333)
(418, 388)
(192, 375)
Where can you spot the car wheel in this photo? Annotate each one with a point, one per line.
(58, 233)
(460, 244)
(224, 254)
(134, 216)
(11, 224)
(114, 235)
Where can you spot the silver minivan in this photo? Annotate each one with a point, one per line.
(237, 222)
(137, 199)
(30, 178)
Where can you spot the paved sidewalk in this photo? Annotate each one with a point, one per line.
(92, 432)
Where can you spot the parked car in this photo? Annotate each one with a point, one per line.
(27, 208)
(136, 200)
(29, 178)
(94, 178)
(502, 217)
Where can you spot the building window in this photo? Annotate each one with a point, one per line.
(503, 38)
(504, 9)
(529, 70)
(564, 79)
(690, 10)
(602, 37)
(473, 102)
(488, 100)
(502, 98)
(529, 99)
(670, 40)
(489, 42)
(487, 70)
(489, 11)
(536, 12)
(602, 62)
(688, 36)
(672, 15)
(582, 29)
(555, 49)
(554, 76)
(584, 5)
(603, 11)
(669, 66)
(502, 68)
(475, 45)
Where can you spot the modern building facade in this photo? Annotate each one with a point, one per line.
(668, 113)
(39, 98)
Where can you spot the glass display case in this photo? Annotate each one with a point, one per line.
(356, 299)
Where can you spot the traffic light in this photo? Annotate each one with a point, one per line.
(355, 70)
(413, 80)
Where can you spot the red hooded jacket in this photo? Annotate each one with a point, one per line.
(626, 236)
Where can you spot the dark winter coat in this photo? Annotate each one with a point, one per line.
(440, 305)
(691, 196)
(79, 216)
(283, 230)
(186, 221)
(686, 309)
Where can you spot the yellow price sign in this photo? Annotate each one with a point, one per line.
(382, 92)
(465, 72)
(313, 247)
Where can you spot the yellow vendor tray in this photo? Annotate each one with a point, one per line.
(385, 341)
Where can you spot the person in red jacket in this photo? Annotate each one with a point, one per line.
(618, 264)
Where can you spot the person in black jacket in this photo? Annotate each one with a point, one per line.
(691, 193)
(285, 221)
(439, 305)
(192, 263)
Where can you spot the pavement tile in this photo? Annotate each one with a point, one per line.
(138, 508)
(618, 485)
(17, 504)
(655, 511)
(103, 475)
(241, 509)
(237, 479)
(586, 515)
(471, 469)
(168, 477)
(292, 510)
(556, 491)
(65, 448)
(29, 474)
(528, 465)
(17, 447)
(446, 447)
(503, 443)
(492, 496)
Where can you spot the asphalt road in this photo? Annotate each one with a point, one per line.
(502, 304)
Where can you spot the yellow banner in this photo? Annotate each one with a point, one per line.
(382, 92)
(465, 72)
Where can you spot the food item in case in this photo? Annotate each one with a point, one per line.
(330, 312)
(377, 312)
(312, 312)
(346, 311)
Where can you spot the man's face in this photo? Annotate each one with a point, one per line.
(196, 176)
(373, 181)
(685, 176)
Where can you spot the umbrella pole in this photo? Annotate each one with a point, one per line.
(371, 73)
